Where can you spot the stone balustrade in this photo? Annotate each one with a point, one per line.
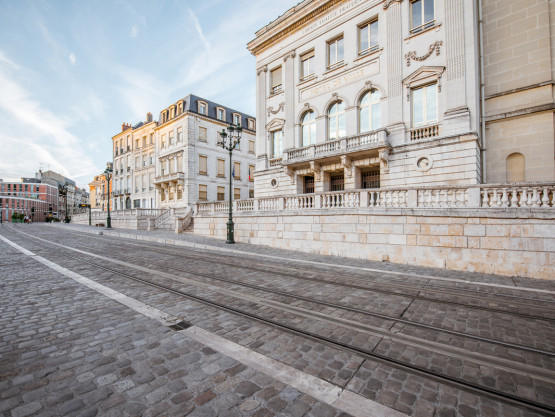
(490, 196)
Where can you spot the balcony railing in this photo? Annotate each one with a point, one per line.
(169, 177)
(424, 132)
(364, 141)
(485, 196)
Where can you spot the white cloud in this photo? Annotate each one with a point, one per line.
(37, 134)
(72, 59)
(134, 31)
(198, 28)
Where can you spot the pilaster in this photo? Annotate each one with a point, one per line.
(289, 91)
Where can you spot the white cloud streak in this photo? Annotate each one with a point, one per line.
(134, 31)
(72, 59)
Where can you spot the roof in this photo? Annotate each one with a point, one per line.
(191, 105)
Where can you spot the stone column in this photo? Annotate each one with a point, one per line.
(394, 70)
(261, 110)
(289, 95)
(457, 117)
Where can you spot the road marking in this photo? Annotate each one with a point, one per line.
(176, 242)
(333, 395)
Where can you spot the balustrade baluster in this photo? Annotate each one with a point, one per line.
(545, 198)
(523, 198)
(514, 197)
(485, 200)
(535, 198)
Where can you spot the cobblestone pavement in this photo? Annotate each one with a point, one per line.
(65, 349)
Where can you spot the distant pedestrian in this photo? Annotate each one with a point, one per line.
(26, 219)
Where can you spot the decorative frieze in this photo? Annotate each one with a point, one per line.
(433, 47)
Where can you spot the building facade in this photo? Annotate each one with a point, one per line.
(29, 197)
(190, 166)
(370, 94)
(99, 193)
(134, 161)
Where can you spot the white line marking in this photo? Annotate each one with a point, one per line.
(344, 400)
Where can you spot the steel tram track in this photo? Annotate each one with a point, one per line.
(418, 290)
(367, 354)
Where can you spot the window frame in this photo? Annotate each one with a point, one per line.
(220, 193)
(205, 159)
(368, 23)
(203, 191)
(370, 107)
(202, 108)
(426, 121)
(202, 128)
(220, 110)
(423, 25)
(338, 62)
(236, 170)
(338, 114)
(236, 193)
(220, 162)
(311, 126)
(276, 88)
(251, 148)
(308, 57)
(273, 134)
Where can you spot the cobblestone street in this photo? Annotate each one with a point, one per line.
(146, 324)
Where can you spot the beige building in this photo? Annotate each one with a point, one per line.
(99, 193)
(134, 161)
(519, 67)
(371, 94)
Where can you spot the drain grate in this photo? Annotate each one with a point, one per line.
(182, 325)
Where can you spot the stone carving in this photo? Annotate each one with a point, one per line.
(384, 160)
(315, 168)
(261, 70)
(347, 164)
(271, 110)
(291, 173)
(433, 47)
(289, 55)
(388, 3)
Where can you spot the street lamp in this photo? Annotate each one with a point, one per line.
(63, 192)
(229, 142)
(108, 176)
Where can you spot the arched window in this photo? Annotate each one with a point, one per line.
(336, 120)
(308, 129)
(515, 168)
(370, 114)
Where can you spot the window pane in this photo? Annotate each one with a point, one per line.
(332, 53)
(376, 116)
(431, 103)
(365, 101)
(340, 50)
(364, 119)
(306, 135)
(332, 127)
(374, 33)
(364, 38)
(416, 14)
(340, 106)
(417, 111)
(313, 133)
(342, 130)
(428, 11)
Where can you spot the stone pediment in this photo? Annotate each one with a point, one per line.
(423, 75)
(275, 124)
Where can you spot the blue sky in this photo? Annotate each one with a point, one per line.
(72, 71)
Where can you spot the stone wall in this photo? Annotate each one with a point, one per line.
(513, 242)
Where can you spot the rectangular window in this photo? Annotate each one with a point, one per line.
(137, 162)
(370, 178)
(237, 170)
(202, 192)
(335, 52)
(163, 141)
(307, 65)
(144, 142)
(251, 173)
(424, 105)
(202, 163)
(422, 15)
(136, 143)
(151, 157)
(337, 182)
(251, 146)
(251, 124)
(221, 193)
(179, 134)
(179, 163)
(368, 38)
(236, 193)
(202, 108)
(237, 119)
(308, 185)
(152, 138)
(251, 193)
(171, 137)
(221, 114)
(221, 168)
(276, 81)
(202, 134)
(276, 144)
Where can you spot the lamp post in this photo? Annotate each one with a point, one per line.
(63, 191)
(108, 176)
(229, 142)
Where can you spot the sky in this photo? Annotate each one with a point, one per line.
(72, 71)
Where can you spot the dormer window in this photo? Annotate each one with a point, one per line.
(236, 119)
(220, 114)
(202, 107)
(251, 124)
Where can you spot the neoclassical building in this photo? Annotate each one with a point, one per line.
(175, 161)
(371, 93)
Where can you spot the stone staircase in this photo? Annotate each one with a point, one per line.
(177, 220)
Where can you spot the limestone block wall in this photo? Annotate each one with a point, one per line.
(506, 243)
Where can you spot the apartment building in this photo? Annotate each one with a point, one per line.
(29, 197)
(99, 193)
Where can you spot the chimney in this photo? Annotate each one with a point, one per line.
(125, 126)
(149, 117)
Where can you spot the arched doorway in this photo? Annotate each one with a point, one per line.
(128, 203)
